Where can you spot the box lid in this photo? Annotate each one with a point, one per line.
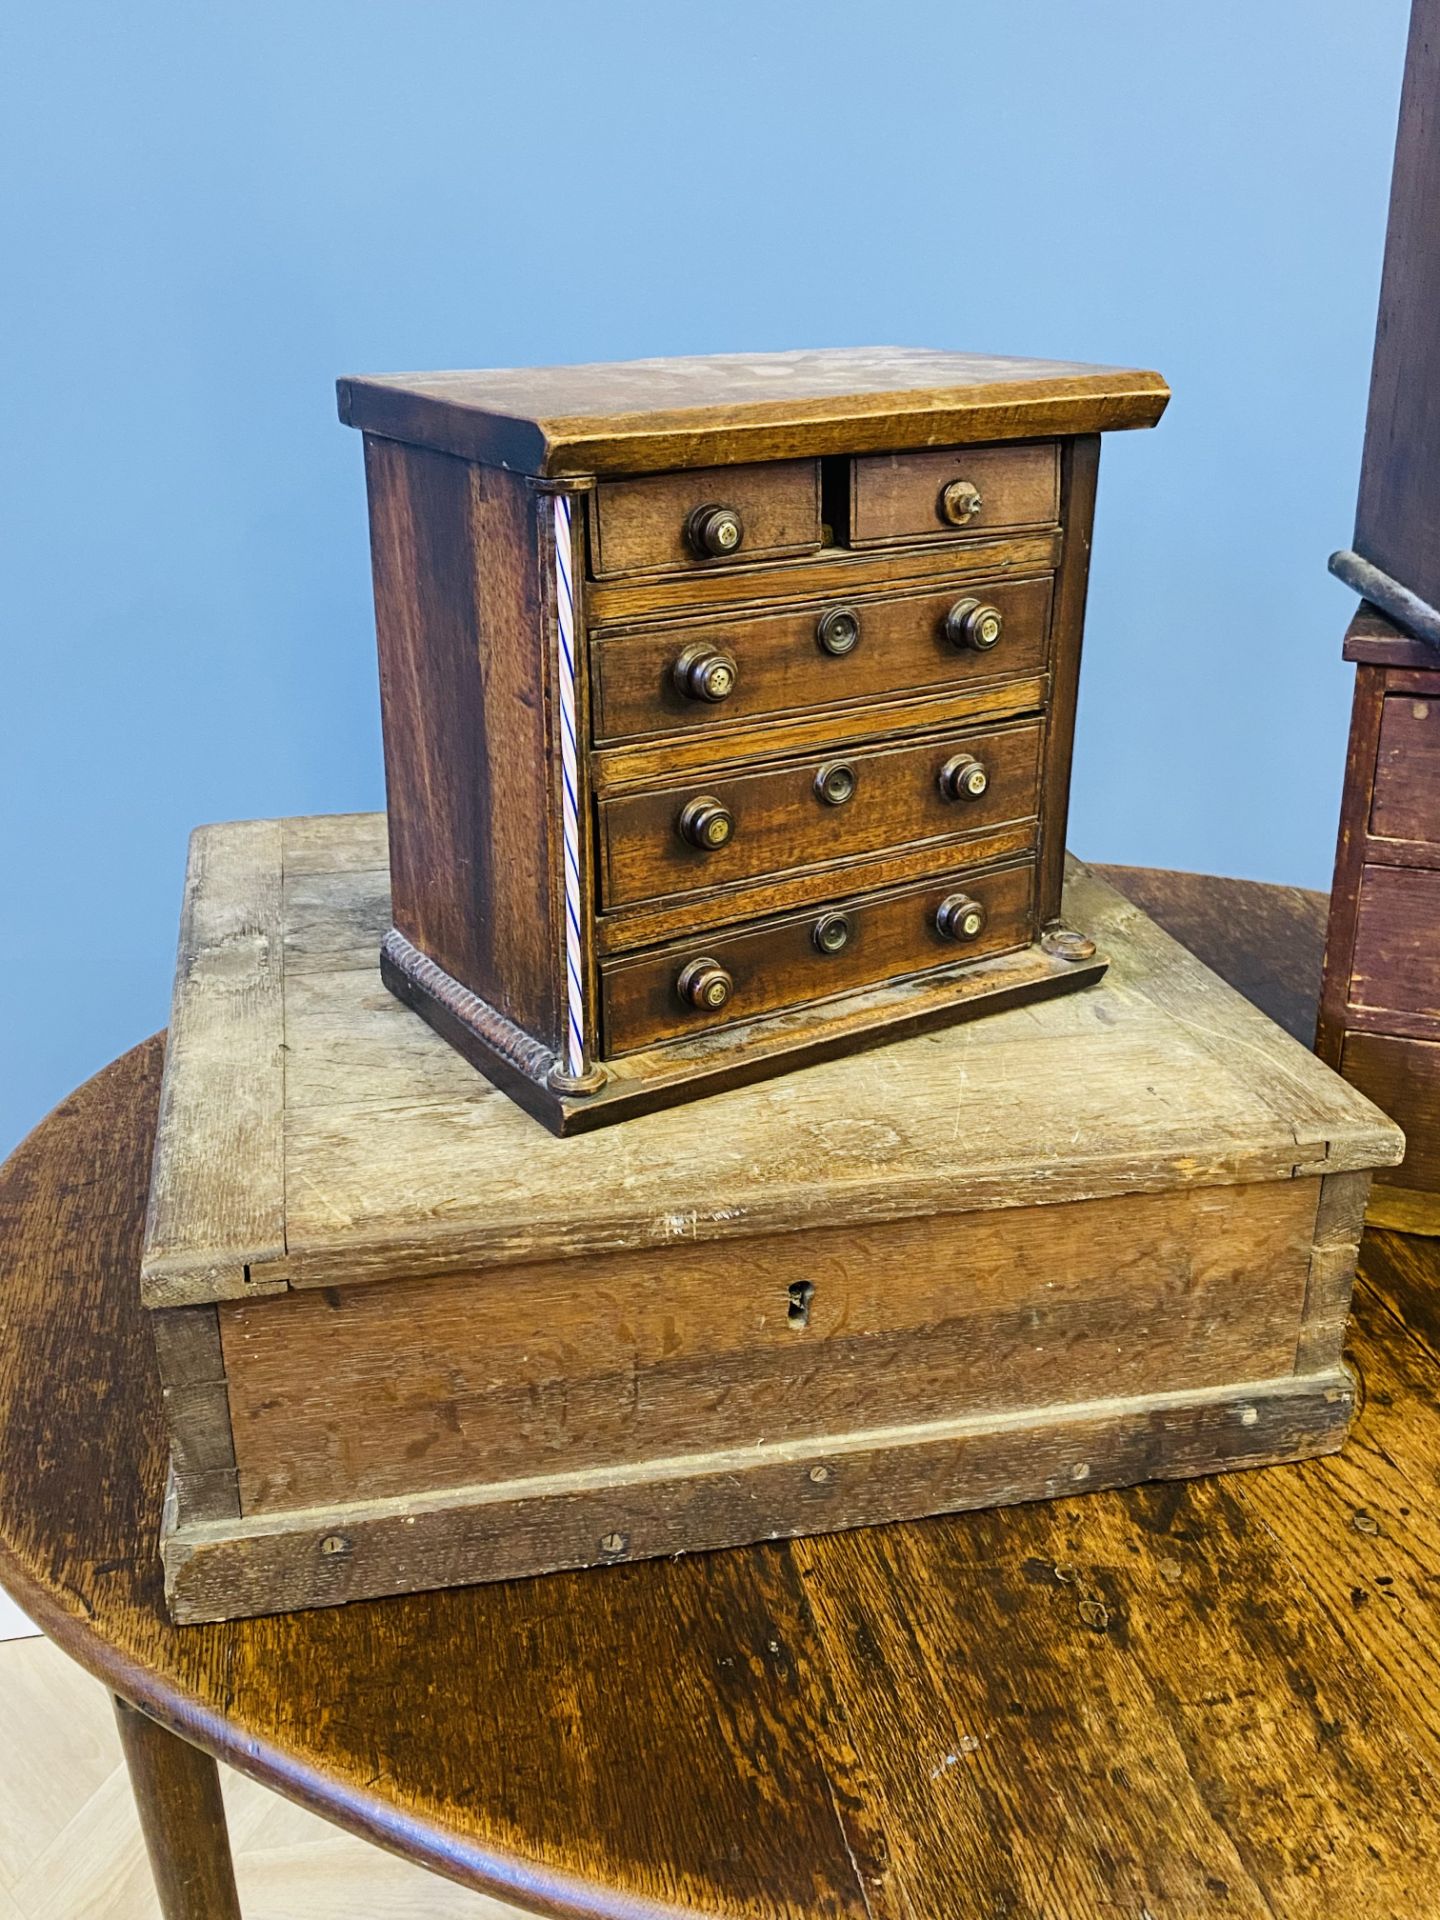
(315, 1132)
(648, 416)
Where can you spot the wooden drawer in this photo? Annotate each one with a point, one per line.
(902, 496)
(1394, 969)
(1406, 799)
(782, 662)
(1402, 1077)
(644, 525)
(781, 963)
(782, 823)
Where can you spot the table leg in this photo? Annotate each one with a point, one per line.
(177, 1792)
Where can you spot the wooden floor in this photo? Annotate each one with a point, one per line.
(70, 1848)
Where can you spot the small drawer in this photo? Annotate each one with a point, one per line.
(912, 496)
(732, 827)
(709, 982)
(713, 517)
(756, 664)
(1406, 800)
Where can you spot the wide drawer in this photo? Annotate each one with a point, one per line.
(706, 672)
(729, 827)
(713, 517)
(957, 491)
(713, 981)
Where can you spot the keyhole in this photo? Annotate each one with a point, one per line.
(802, 1292)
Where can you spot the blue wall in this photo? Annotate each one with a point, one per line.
(212, 211)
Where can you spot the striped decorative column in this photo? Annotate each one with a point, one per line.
(570, 1073)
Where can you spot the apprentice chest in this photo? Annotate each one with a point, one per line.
(728, 704)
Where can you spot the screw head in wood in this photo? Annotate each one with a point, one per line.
(614, 1544)
(334, 1543)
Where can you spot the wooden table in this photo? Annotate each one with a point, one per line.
(1220, 1697)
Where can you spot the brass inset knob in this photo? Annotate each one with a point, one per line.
(704, 984)
(958, 917)
(971, 623)
(835, 783)
(703, 672)
(715, 532)
(963, 777)
(831, 932)
(838, 630)
(706, 822)
(960, 502)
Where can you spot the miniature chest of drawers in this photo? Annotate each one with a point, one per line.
(728, 704)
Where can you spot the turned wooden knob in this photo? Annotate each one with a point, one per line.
(715, 532)
(705, 673)
(838, 631)
(704, 984)
(706, 822)
(963, 777)
(960, 502)
(972, 623)
(958, 917)
(835, 783)
(831, 932)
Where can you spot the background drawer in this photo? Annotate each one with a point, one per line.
(781, 665)
(779, 965)
(899, 496)
(1406, 800)
(639, 526)
(782, 824)
(1403, 1078)
(1396, 966)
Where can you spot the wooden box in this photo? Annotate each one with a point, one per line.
(728, 704)
(408, 1340)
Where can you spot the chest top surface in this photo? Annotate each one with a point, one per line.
(313, 1132)
(643, 416)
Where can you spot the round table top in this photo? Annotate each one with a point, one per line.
(1220, 1696)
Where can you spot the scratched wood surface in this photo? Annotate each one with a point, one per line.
(1215, 1698)
(399, 1158)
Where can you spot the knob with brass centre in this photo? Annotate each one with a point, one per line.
(972, 623)
(706, 822)
(715, 532)
(835, 783)
(960, 502)
(704, 984)
(703, 672)
(958, 917)
(837, 631)
(963, 777)
(831, 932)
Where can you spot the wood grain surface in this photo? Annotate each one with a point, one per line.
(644, 416)
(398, 1156)
(1218, 1698)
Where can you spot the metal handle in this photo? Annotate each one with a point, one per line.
(704, 984)
(958, 917)
(838, 631)
(974, 623)
(963, 777)
(960, 502)
(715, 532)
(705, 673)
(706, 822)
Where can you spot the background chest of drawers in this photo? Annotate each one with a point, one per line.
(728, 704)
